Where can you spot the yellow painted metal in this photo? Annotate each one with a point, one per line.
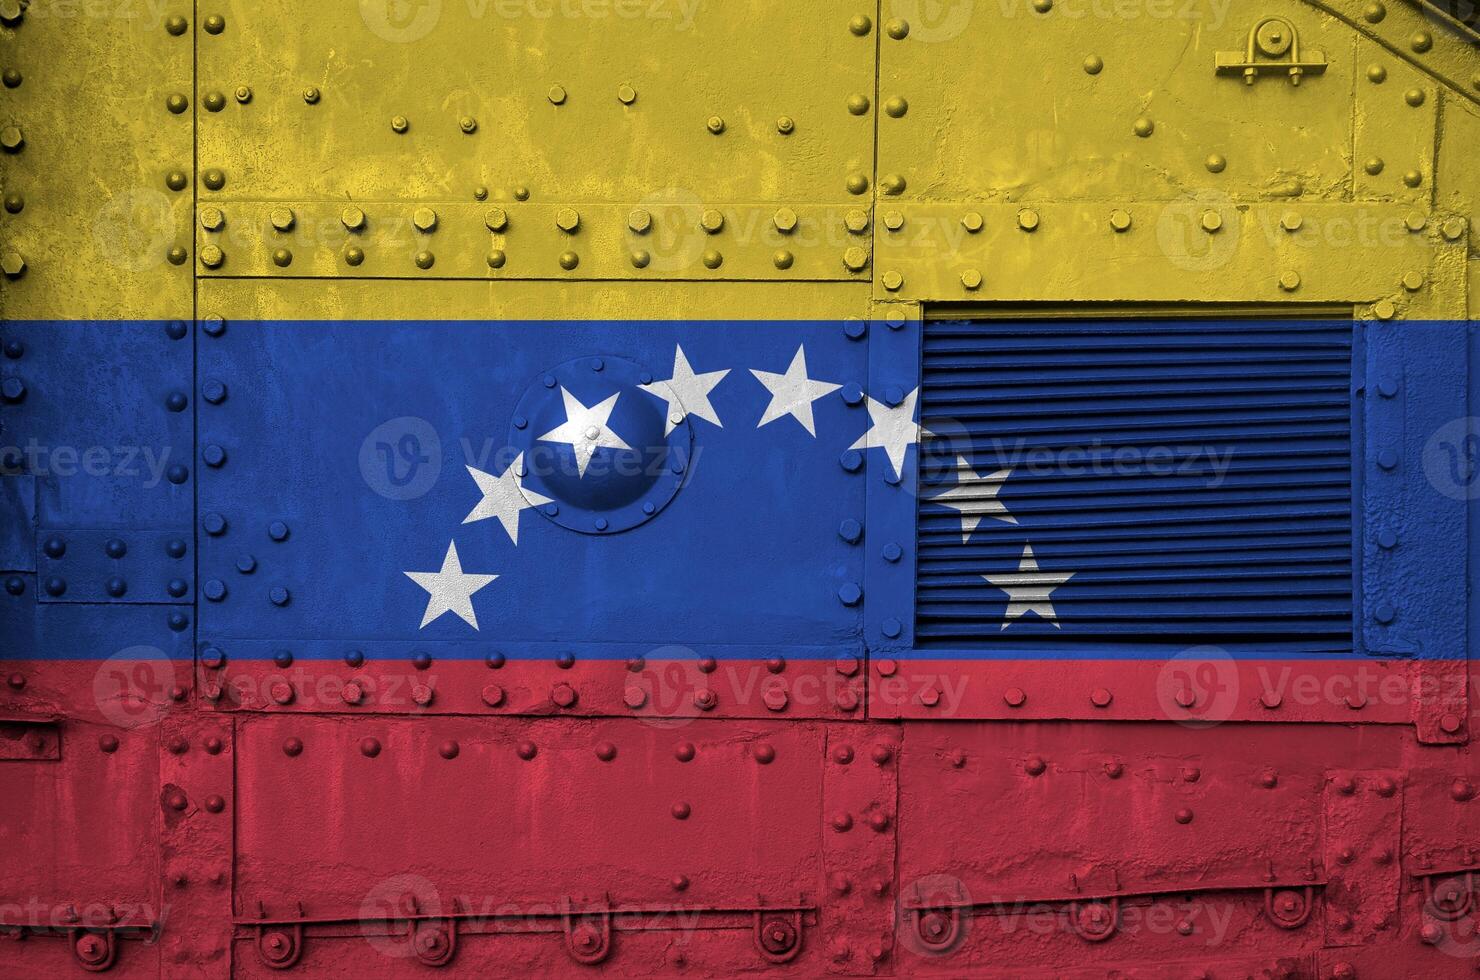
(573, 157)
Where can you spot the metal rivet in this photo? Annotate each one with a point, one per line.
(640, 258)
(712, 259)
(858, 104)
(177, 103)
(1014, 697)
(1101, 697)
(782, 259)
(556, 95)
(892, 184)
(1143, 127)
(860, 25)
(425, 259)
(898, 29)
(1027, 219)
(1211, 221)
(1094, 64)
(857, 184)
(1373, 166)
(1414, 97)
(1376, 74)
(214, 101)
(214, 179)
(569, 260)
(1387, 459)
(1421, 41)
(896, 106)
(1384, 613)
(354, 255)
(1120, 219)
(1216, 163)
(215, 24)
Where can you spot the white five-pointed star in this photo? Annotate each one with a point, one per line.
(975, 496)
(1029, 589)
(687, 393)
(893, 430)
(793, 393)
(504, 497)
(585, 429)
(450, 589)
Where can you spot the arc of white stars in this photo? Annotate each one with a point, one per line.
(504, 497)
(893, 430)
(793, 393)
(585, 429)
(686, 393)
(975, 497)
(450, 589)
(1030, 589)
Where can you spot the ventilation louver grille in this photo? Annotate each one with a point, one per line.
(1136, 482)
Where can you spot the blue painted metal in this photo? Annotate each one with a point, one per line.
(345, 449)
(894, 363)
(1194, 476)
(1421, 477)
(618, 489)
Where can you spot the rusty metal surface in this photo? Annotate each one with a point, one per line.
(337, 641)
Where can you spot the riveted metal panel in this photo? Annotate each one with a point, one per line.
(684, 830)
(703, 740)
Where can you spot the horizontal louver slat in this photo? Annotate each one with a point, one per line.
(1121, 482)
